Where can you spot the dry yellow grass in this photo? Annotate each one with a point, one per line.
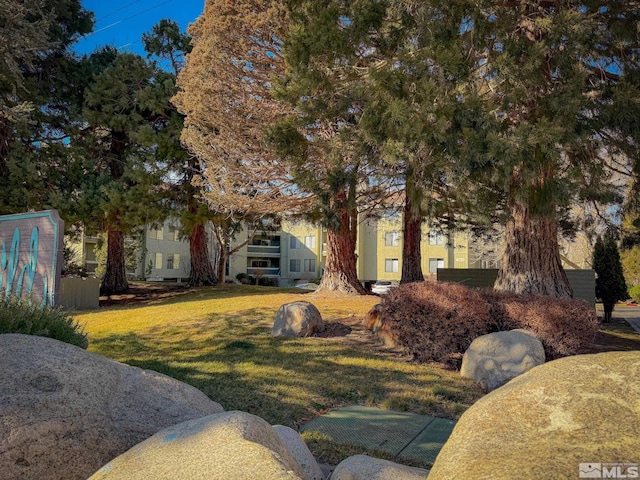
(219, 340)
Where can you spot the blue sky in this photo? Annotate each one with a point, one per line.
(121, 23)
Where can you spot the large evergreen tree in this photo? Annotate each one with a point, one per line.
(411, 84)
(328, 49)
(555, 97)
(123, 107)
(167, 43)
(225, 95)
(38, 100)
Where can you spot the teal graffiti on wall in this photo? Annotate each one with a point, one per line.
(31, 269)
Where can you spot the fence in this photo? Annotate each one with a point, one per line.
(583, 282)
(79, 293)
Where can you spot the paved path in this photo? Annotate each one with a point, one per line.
(403, 435)
(630, 314)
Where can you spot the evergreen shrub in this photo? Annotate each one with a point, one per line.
(436, 322)
(19, 317)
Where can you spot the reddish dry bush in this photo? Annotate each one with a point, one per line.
(564, 325)
(436, 321)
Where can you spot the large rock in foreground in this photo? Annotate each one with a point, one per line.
(546, 422)
(231, 445)
(65, 412)
(363, 467)
(295, 444)
(495, 358)
(297, 319)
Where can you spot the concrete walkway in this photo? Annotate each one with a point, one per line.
(403, 435)
(630, 314)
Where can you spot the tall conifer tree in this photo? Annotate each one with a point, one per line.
(122, 187)
(167, 43)
(554, 97)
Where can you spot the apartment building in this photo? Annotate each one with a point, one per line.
(293, 251)
(296, 251)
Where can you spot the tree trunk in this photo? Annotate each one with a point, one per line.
(115, 278)
(608, 311)
(411, 235)
(340, 272)
(531, 261)
(201, 269)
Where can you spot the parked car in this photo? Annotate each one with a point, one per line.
(382, 287)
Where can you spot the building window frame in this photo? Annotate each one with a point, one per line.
(391, 265)
(310, 242)
(391, 239)
(156, 233)
(294, 265)
(435, 264)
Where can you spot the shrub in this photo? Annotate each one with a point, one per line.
(268, 282)
(565, 326)
(436, 321)
(18, 317)
(245, 279)
(634, 293)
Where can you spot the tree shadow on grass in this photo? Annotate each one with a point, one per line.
(143, 294)
(237, 363)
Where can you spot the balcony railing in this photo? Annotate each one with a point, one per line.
(264, 249)
(267, 272)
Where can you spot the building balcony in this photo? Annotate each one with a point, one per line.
(265, 271)
(264, 250)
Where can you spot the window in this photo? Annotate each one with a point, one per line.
(173, 261)
(259, 263)
(435, 264)
(174, 234)
(391, 239)
(309, 264)
(391, 265)
(310, 242)
(156, 233)
(158, 263)
(294, 265)
(436, 238)
(294, 243)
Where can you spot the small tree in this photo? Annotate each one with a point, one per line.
(610, 284)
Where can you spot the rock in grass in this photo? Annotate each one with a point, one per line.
(363, 467)
(297, 319)
(64, 412)
(494, 359)
(546, 422)
(231, 445)
(300, 452)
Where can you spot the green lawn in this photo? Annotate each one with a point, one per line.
(219, 340)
